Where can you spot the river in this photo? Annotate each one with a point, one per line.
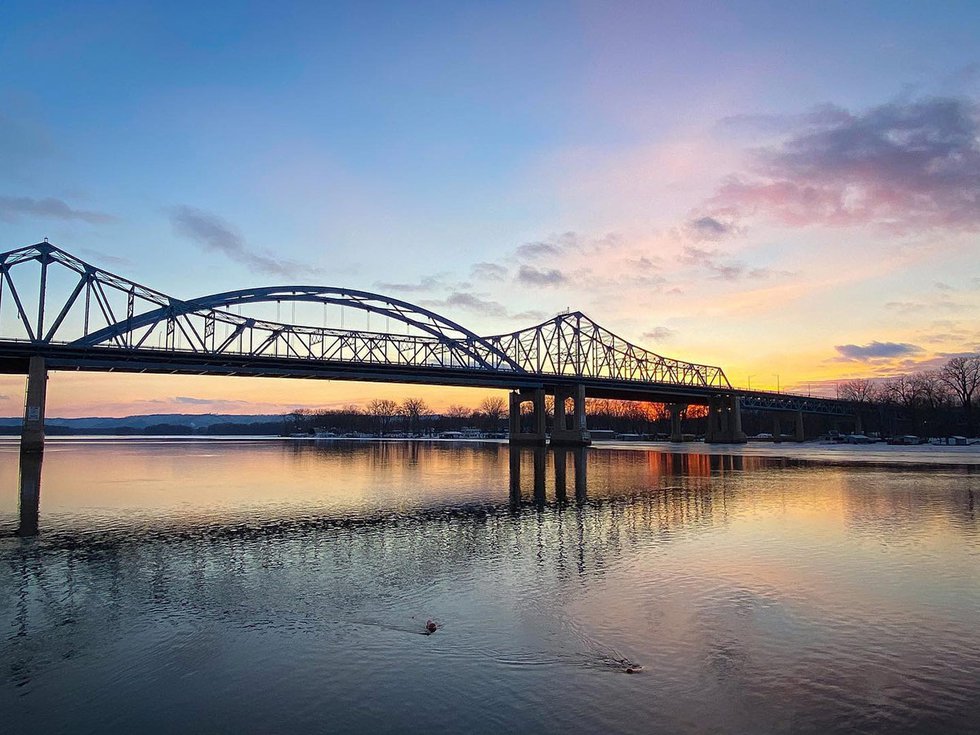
(285, 585)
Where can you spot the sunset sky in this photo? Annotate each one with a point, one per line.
(781, 189)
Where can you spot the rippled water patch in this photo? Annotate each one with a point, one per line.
(279, 587)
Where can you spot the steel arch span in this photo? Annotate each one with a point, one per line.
(54, 302)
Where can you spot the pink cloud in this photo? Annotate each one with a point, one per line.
(900, 167)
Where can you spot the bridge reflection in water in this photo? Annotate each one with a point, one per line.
(194, 478)
(30, 492)
(540, 470)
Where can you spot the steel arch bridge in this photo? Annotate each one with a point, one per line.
(80, 316)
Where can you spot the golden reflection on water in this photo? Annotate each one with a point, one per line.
(109, 483)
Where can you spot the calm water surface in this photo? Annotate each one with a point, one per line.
(277, 586)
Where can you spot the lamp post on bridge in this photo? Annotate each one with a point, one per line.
(777, 381)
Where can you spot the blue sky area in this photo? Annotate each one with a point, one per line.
(772, 187)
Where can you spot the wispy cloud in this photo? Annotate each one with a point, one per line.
(469, 302)
(488, 272)
(213, 402)
(426, 283)
(876, 350)
(532, 315)
(538, 250)
(712, 227)
(531, 276)
(213, 233)
(480, 304)
(13, 209)
(905, 166)
(756, 124)
(100, 258)
(659, 334)
(711, 261)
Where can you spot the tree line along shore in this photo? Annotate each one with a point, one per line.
(937, 403)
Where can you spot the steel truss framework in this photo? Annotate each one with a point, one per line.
(788, 402)
(103, 310)
(572, 344)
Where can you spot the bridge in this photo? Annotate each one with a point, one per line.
(58, 312)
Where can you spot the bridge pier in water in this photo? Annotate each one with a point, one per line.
(724, 421)
(538, 432)
(32, 446)
(32, 433)
(577, 434)
(676, 410)
(798, 434)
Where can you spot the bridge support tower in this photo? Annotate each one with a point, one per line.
(538, 431)
(676, 410)
(798, 434)
(777, 429)
(32, 446)
(577, 434)
(724, 421)
(32, 433)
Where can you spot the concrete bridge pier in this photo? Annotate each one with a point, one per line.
(577, 434)
(538, 433)
(798, 434)
(777, 429)
(858, 424)
(32, 434)
(675, 421)
(738, 436)
(711, 422)
(724, 421)
(32, 446)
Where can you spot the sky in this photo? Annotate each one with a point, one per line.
(790, 191)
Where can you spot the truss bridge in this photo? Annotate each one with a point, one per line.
(59, 312)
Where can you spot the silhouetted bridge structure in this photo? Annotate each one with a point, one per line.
(58, 312)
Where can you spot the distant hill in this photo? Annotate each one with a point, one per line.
(138, 424)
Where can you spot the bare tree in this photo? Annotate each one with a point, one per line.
(933, 391)
(962, 376)
(457, 415)
(493, 407)
(382, 409)
(859, 391)
(903, 391)
(413, 409)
